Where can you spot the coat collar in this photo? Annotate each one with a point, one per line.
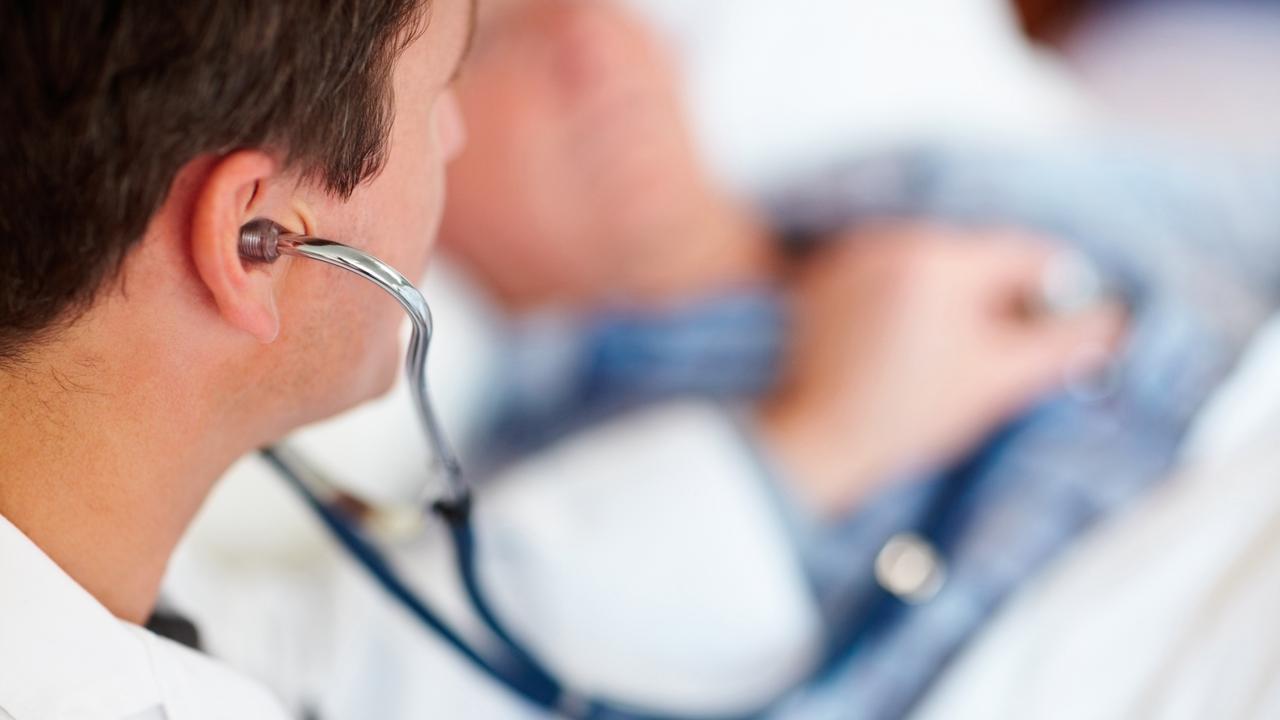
(62, 653)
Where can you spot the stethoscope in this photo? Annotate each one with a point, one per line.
(514, 666)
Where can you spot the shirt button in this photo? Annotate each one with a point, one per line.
(910, 568)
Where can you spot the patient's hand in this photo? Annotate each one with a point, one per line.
(911, 344)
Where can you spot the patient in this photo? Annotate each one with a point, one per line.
(839, 317)
(606, 208)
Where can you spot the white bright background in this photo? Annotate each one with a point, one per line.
(775, 87)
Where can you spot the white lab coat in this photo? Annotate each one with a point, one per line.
(63, 656)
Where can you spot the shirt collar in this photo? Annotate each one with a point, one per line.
(64, 655)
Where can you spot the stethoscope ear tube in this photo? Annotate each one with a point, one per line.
(265, 241)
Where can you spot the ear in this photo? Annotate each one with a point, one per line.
(244, 291)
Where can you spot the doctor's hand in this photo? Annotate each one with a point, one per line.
(911, 343)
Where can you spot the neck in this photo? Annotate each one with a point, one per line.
(103, 464)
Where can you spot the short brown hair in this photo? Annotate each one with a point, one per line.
(104, 101)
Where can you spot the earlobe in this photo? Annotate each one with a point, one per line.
(229, 197)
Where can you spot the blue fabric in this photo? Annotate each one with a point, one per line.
(724, 347)
(1195, 248)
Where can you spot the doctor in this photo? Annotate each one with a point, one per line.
(139, 357)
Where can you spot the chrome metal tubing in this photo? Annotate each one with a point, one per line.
(264, 241)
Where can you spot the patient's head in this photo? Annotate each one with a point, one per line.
(136, 139)
(581, 182)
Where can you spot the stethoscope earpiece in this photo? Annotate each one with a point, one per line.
(260, 241)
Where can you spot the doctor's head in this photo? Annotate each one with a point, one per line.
(137, 138)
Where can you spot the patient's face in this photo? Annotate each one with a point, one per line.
(341, 332)
(580, 164)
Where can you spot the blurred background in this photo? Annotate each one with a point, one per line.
(1197, 70)
(620, 293)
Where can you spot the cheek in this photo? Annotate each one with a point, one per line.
(381, 359)
(451, 127)
(342, 332)
(338, 344)
(407, 211)
(405, 202)
(363, 325)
